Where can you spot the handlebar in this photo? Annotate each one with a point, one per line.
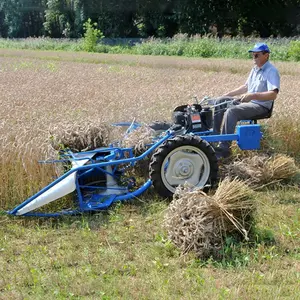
(206, 101)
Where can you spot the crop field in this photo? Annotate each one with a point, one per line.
(124, 253)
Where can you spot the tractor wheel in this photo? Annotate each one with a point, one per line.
(159, 126)
(183, 159)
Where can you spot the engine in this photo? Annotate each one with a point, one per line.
(193, 118)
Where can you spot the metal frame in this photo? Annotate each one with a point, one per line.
(247, 136)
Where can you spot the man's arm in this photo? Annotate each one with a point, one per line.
(263, 96)
(273, 85)
(240, 90)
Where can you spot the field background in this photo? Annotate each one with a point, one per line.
(124, 253)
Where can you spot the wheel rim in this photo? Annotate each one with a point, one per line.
(185, 164)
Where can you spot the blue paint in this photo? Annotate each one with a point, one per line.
(247, 136)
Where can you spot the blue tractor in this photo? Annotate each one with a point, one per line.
(180, 152)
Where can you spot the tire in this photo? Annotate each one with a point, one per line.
(183, 159)
(159, 126)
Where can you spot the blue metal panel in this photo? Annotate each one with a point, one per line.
(249, 137)
(220, 137)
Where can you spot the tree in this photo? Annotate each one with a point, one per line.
(159, 18)
(269, 18)
(22, 18)
(117, 18)
(59, 18)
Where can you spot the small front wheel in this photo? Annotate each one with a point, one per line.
(183, 159)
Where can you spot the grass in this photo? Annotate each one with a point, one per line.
(124, 253)
(284, 49)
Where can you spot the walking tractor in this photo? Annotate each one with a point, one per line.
(181, 152)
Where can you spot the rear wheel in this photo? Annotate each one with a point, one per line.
(183, 159)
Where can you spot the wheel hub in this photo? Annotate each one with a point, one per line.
(184, 168)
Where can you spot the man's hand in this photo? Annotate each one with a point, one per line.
(247, 97)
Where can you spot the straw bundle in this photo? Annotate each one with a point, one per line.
(89, 136)
(261, 169)
(139, 139)
(281, 167)
(250, 169)
(80, 138)
(198, 222)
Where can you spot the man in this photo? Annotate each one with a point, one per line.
(258, 94)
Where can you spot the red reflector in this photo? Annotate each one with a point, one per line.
(196, 118)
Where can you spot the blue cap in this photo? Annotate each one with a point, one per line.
(260, 47)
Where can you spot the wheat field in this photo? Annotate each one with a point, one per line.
(42, 92)
(124, 253)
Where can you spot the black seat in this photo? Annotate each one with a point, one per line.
(263, 116)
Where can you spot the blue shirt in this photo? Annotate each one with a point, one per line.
(263, 79)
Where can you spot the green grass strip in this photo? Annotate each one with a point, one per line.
(282, 49)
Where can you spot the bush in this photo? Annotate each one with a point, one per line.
(294, 50)
(180, 45)
(91, 36)
(152, 47)
(204, 47)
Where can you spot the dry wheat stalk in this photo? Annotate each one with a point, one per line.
(111, 92)
(261, 169)
(80, 138)
(87, 136)
(198, 222)
(139, 138)
(281, 167)
(83, 92)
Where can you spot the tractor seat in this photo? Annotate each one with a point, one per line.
(263, 116)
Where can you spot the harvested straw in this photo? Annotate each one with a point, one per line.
(261, 169)
(80, 138)
(84, 137)
(139, 139)
(198, 222)
(281, 167)
(88, 137)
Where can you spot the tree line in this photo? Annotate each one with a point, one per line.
(145, 18)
